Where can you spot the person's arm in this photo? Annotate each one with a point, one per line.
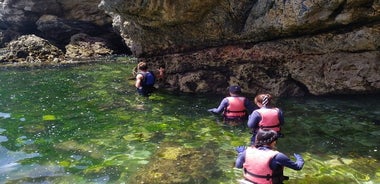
(139, 78)
(281, 117)
(161, 74)
(253, 119)
(282, 160)
(240, 160)
(222, 105)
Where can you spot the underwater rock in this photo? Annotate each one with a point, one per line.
(177, 164)
(83, 149)
(109, 173)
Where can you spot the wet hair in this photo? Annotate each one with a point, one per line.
(142, 66)
(263, 99)
(265, 137)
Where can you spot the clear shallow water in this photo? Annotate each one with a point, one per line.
(85, 124)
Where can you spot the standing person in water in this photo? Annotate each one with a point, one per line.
(262, 163)
(145, 79)
(235, 108)
(265, 117)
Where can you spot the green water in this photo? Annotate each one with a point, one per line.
(85, 124)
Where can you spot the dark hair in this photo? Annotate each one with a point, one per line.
(265, 137)
(234, 89)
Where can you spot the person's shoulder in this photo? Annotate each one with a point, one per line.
(226, 98)
(277, 109)
(139, 75)
(280, 156)
(245, 98)
(151, 73)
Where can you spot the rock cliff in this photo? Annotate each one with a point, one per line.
(287, 48)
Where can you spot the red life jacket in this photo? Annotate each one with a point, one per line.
(269, 118)
(256, 166)
(236, 107)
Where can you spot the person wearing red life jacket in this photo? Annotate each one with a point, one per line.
(262, 164)
(235, 107)
(265, 117)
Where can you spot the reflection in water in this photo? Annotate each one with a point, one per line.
(5, 115)
(9, 160)
(85, 124)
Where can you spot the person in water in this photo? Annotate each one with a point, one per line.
(262, 163)
(145, 79)
(265, 117)
(235, 107)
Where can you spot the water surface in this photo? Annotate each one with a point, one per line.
(85, 124)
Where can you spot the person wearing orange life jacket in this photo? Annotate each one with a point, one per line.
(265, 117)
(235, 108)
(261, 163)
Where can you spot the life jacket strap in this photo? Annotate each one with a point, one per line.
(268, 176)
(236, 111)
(272, 126)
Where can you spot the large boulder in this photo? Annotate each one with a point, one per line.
(31, 49)
(84, 46)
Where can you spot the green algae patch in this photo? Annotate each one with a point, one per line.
(333, 169)
(35, 128)
(141, 135)
(178, 164)
(81, 149)
(171, 153)
(49, 117)
(104, 170)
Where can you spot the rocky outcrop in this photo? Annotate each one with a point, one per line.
(287, 48)
(57, 21)
(31, 49)
(84, 46)
(286, 67)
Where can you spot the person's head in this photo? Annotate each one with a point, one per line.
(234, 90)
(142, 66)
(265, 137)
(263, 100)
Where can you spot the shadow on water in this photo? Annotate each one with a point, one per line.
(85, 124)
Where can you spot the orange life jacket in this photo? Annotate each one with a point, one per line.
(257, 166)
(269, 118)
(236, 107)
